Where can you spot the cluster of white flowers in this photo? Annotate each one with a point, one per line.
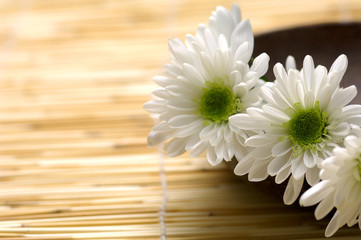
(340, 187)
(299, 126)
(207, 81)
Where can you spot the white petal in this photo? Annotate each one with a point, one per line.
(283, 101)
(316, 193)
(173, 70)
(292, 191)
(182, 120)
(308, 71)
(224, 22)
(243, 53)
(298, 168)
(320, 79)
(267, 94)
(334, 78)
(333, 225)
(235, 13)
(161, 93)
(162, 127)
(356, 119)
(300, 92)
(163, 81)
(356, 129)
(208, 131)
(290, 63)
(260, 64)
(257, 140)
(244, 121)
(312, 176)
(175, 147)
(228, 133)
(190, 39)
(193, 128)
(191, 89)
(340, 64)
(352, 143)
(242, 33)
(217, 138)
(182, 103)
(169, 113)
(279, 71)
(192, 74)
(179, 51)
(283, 175)
(277, 164)
(155, 138)
(197, 149)
(354, 109)
(222, 43)
(200, 31)
(212, 23)
(343, 97)
(290, 86)
(353, 217)
(221, 150)
(258, 114)
(207, 63)
(241, 67)
(238, 150)
(282, 147)
(192, 141)
(350, 216)
(211, 41)
(277, 131)
(154, 106)
(341, 129)
(239, 89)
(343, 192)
(309, 159)
(276, 114)
(258, 171)
(244, 165)
(175, 90)
(263, 151)
(325, 97)
(212, 157)
(309, 100)
(228, 152)
(221, 64)
(323, 208)
(195, 45)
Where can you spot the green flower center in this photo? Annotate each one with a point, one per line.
(218, 103)
(307, 127)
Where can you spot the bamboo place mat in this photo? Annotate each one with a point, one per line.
(74, 163)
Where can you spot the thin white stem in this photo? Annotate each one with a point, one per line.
(163, 180)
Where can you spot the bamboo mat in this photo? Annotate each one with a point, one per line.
(73, 157)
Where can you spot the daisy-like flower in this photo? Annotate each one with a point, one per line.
(340, 187)
(304, 119)
(207, 81)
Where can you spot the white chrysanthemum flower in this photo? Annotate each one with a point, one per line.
(340, 187)
(208, 81)
(304, 119)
